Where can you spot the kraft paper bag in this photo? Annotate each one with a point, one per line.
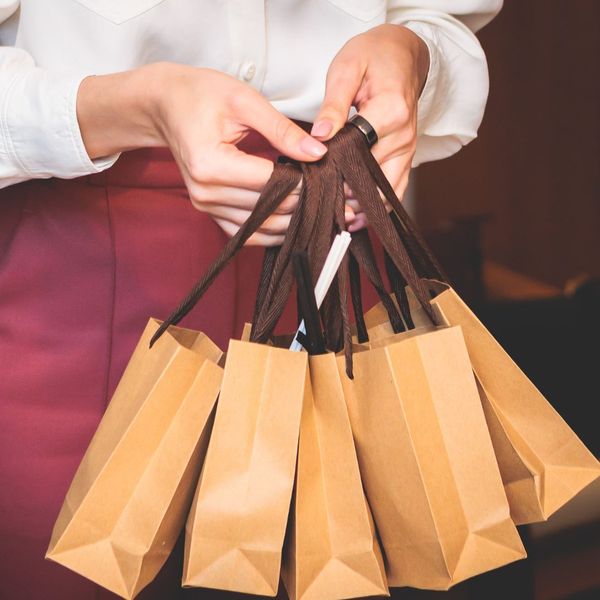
(427, 462)
(236, 527)
(132, 491)
(332, 551)
(378, 324)
(543, 462)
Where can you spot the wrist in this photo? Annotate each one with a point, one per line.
(116, 112)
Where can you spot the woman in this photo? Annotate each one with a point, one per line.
(199, 97)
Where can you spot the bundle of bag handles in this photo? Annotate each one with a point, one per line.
(317, 218)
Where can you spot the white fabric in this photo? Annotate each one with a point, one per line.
(281, 47)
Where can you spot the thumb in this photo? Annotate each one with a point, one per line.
(281, 132)
(344, 79)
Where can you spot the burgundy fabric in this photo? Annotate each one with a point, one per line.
(83, 264)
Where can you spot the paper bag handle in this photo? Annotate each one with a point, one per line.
(362, 250)
(351, 153)
(280, 283)
(284, 179)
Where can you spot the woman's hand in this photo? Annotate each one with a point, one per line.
(201, 115)
(381, 73)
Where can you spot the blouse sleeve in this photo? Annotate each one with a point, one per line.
(453, 100)
(39, 132)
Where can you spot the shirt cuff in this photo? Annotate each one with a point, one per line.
(427, 97)
(40, 127)
(453, 100)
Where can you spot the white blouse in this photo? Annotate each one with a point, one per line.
(283, 48)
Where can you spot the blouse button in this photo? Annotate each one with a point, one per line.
(248, 71)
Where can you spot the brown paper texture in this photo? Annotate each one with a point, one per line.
(332, 550)
(542, 461)
(129, 499)
(236, 527)
(427, 462)
(246, 331)
(380, 329)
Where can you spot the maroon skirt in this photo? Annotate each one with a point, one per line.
(83, 264)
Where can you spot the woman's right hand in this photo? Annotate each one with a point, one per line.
(200, 114)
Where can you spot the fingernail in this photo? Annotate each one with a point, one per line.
(312, 147)
(359, 223)
(321, 128)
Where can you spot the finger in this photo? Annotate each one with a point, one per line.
(256, 239)
(349, 215)
(228, 166)
(390, 114)
(397, 171)
(204, 195)
(344, 79)
(354, 204)
(273, 225)
(360, 222)
(399, 143)
(392, 111)
(231, 167)
(280, 131)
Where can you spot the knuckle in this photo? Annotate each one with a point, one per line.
(200, 195)
(197, 205)
(395, 112)
(344, 68)
(201, 170)
(265, 229)
(332, 110)
(275, 225)
(230, 229)
(288, 205)
(402, 114)
(269, 230)
(408, 135)
(241, 98)
(399, 191)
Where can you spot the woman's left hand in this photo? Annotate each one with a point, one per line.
(380, 72)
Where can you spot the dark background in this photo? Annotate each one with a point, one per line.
(515, 218)
(534, 171)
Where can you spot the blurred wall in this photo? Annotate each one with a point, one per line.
(535, 168)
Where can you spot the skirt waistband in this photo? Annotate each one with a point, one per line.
(148, 167)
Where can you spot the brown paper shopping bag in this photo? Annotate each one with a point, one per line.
(542, 461)
(130, 496)
(380, 331)
(332, 551)
(236, 527)
(427, 462)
